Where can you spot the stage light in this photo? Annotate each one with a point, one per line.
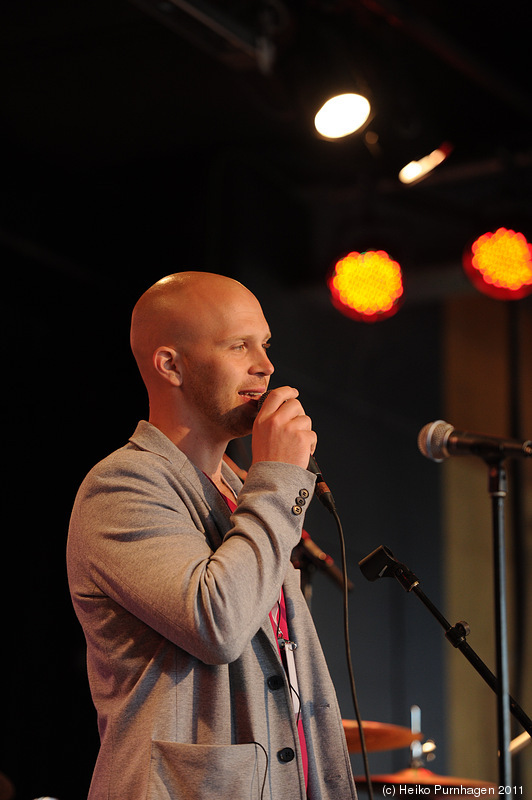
(330, 83)
(366, 286)
(499, 264)
(417, 170)
(342, 115)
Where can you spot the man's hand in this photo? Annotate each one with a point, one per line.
(282, 431)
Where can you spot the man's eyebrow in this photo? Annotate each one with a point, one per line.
(245, 337)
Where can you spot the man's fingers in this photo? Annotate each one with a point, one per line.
(282, 430)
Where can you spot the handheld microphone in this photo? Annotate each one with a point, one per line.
(321, 491)
(439, 440)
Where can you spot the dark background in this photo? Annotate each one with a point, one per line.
(136, 141)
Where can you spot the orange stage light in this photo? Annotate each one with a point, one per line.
(366, 286)
(500, 264)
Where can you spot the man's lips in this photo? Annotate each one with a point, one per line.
(252, 394)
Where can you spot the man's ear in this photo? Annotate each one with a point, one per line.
(167, 363)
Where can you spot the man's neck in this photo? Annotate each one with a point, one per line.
(205, 454)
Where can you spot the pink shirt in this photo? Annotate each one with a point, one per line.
(279, 624)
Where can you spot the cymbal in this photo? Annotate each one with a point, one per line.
(422, 777)
(378, 736)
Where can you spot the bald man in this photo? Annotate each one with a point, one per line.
(204, 665)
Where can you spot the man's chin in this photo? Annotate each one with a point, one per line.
(241, 422)
(239, 431)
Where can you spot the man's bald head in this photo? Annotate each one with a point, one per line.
(173, 311)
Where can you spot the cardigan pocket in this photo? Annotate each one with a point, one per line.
(181, 771)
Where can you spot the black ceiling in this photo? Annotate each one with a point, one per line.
(117, 117)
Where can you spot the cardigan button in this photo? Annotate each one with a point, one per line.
(286, 755)
(303, 493)
(275, 682)
(297, 510)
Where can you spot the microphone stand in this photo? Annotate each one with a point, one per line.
(382, 563)
(307, 556)
(497, 489)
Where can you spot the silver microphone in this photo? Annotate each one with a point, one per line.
(439, 440)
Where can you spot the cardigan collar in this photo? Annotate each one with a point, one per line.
(148, 437)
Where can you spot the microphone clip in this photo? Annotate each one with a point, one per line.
(381, 563)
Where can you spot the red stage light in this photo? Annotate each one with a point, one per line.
(366, 286)
(500, 265)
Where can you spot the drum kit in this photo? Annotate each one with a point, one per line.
(416, 779)
(381, 736)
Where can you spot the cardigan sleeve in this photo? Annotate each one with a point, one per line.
(138, 539)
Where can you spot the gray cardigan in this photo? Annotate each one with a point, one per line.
(173, 595)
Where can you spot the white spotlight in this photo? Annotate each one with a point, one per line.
(342, 115)
(416, 170)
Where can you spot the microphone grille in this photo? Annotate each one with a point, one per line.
(431, 439)
(262, 398)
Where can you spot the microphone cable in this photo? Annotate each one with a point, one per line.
(324, 494)
(363, 747)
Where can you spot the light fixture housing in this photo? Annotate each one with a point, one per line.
(332, 87)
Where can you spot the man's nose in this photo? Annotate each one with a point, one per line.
(263, 364)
